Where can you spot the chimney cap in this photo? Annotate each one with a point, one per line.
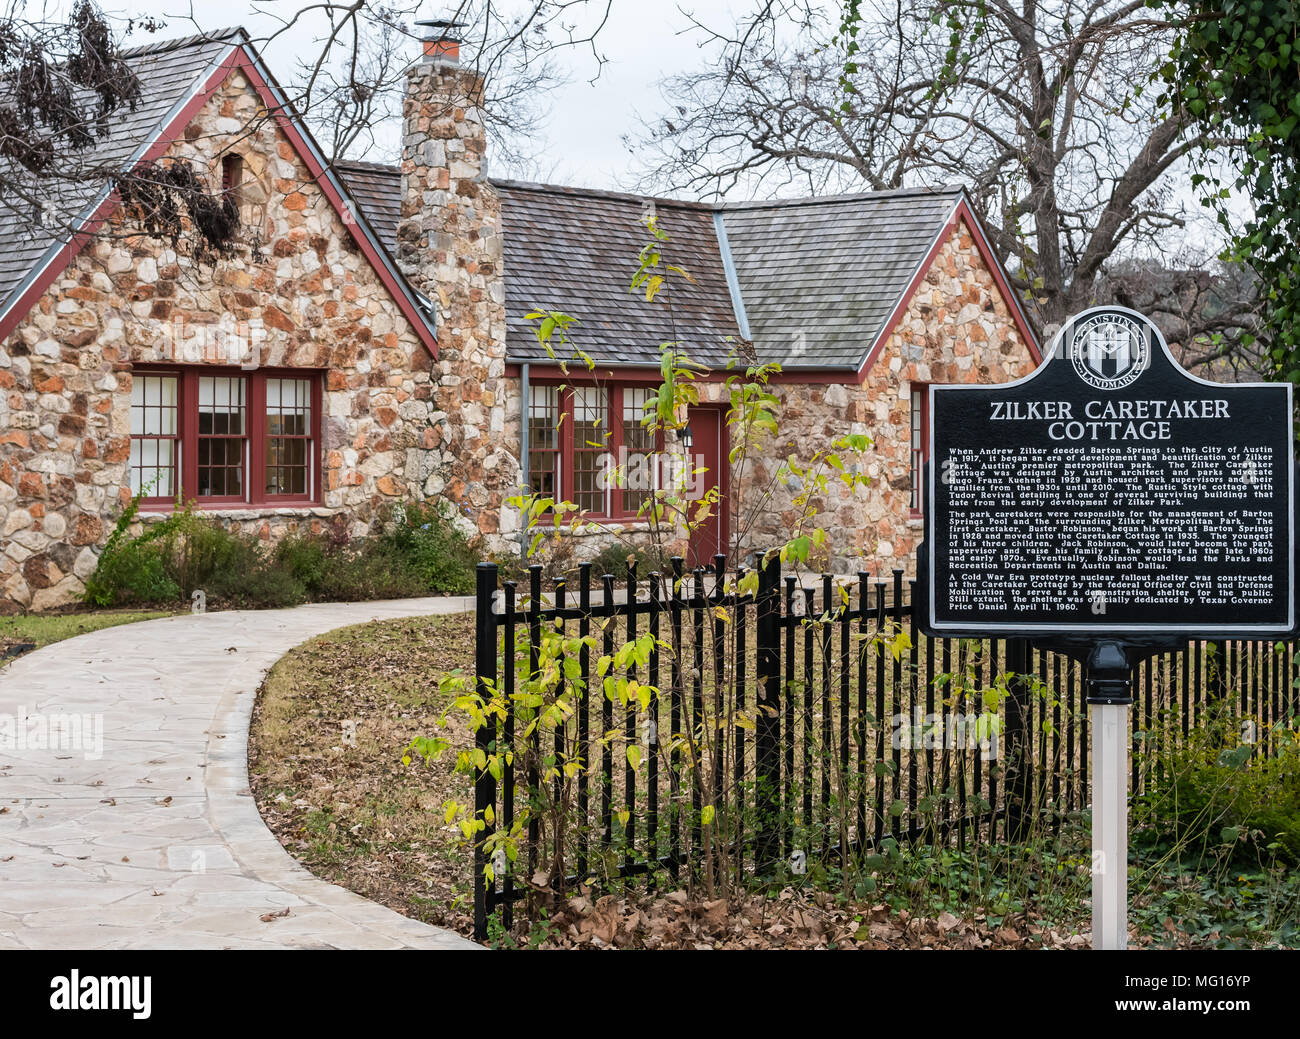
(445, 24)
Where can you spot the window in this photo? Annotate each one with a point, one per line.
(590, 445)
(224, 437)
(288, 436)
(639, 442)
(154, 439)
(920, 445)
(577, 452)
(544, 440)
(232, 175)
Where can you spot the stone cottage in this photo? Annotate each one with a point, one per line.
(371, 344)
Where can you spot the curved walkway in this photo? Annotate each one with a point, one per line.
(149, 837)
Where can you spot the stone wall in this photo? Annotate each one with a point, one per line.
(957, 328)
(449, 244)
(313, 302)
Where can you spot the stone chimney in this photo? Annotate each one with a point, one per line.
(450, 248)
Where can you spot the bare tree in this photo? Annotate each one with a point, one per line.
(352, 76)
(1037, 108)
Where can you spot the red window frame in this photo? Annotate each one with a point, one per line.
(567, 447)
(918, 440)
(255, 436)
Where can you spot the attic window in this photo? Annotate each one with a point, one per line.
(232, 174)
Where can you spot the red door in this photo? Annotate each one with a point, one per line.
(710, 447)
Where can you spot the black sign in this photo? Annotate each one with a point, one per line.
(1111, 492)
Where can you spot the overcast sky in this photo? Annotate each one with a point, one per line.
(583, 133)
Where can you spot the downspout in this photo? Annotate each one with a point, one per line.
(525, 475)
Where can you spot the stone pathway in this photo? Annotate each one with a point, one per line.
(156, 842)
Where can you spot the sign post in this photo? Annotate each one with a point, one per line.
(1109, 506)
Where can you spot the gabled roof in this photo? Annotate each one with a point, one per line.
(814, 283)
(176, 78)
(820, 277)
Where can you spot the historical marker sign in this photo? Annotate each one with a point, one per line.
(1110, 493)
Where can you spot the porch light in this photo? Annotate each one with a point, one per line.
(686, 437)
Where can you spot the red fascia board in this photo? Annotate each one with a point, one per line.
(961, 214)
(900, 307)
(238, 58)
(83, 236)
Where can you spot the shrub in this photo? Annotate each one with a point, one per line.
(134, 573)
(424, 537)
(613, 559)
(130, 570)
(1218, 793)
(421, 553)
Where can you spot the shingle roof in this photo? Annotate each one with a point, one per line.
(820, 277)
(576, 252)
(378, 190)
(816, 278)
(168, 73)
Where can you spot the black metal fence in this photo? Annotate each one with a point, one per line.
(767, 722)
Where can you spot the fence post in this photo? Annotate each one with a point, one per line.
(485, 787)
(1018, 760)
(767, 726)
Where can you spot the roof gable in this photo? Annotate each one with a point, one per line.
(177, 78)
(170, 75)
(821, 277)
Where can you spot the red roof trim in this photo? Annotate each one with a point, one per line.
(896, 315)
(238, 58)
(22, 306)
(961, 214)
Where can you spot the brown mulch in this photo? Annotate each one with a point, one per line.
(789, 920)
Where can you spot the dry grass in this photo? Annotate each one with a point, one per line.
(355, 815)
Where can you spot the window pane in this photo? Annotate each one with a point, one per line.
(590, 431)
(288, 430)
(544, 440)
(152, 463)
(153, 405)
(222, 423)
(221, 406)
(640, 463)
